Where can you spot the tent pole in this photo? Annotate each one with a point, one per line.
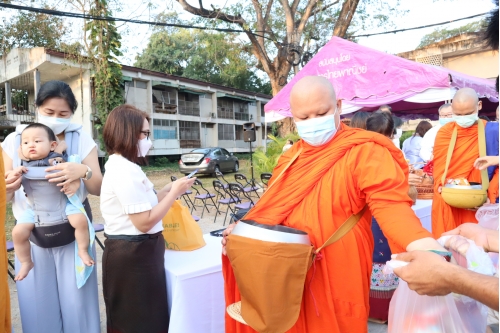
(265, 137)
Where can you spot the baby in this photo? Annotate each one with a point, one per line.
(39, 147)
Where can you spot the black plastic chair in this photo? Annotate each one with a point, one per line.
(227, 199)
(248, 186)
(265, 177)
(204, 198)
(186, 194)
(239, 192)
(10, 248)
(98, 228)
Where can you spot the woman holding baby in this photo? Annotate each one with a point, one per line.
(49, 299)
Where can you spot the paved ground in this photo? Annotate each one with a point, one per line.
(206, 223)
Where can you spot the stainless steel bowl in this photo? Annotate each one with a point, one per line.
(276, 233)
(465, 187)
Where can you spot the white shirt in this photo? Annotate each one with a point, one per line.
(427, 145)
(411, 149)
(9, 146)
(125, 190)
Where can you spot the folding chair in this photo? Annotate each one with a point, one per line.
(239, 192)
(98, 228)
(265, 177)
(243, 181)
(220, 177)
(227, 200)
(186, 194)
(10, 248)
(204, 198)
(195, 218)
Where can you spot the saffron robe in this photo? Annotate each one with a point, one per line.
(445, 217)
(320, 190)
(4, 286)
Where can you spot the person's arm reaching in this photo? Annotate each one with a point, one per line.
(483, 163)
(429, 274)
(487, 238)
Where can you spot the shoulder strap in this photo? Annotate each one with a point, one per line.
(451, 147)
(343, 229)
(72, 139)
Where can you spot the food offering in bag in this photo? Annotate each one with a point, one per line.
(458, 181)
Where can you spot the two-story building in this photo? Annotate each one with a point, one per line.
(185, 113)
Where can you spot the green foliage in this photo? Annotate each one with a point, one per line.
(267, 161)
(443, 33)
(104, 48)
(28, 29)
(405, 136)
(207, 56)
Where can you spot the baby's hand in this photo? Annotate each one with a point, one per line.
(61, 147)
(71, 188)
(17, 171)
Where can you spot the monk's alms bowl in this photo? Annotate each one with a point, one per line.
(461, 196)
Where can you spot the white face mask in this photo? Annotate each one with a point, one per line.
(144, 146)
(466, 121)
(317, 131)
(57, 125)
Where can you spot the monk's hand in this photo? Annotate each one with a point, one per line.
(414, 179)
(486, 161)
(427, 273)
(474, 232)
(226, 233)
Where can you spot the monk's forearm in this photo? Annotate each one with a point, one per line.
(480, 287)
(423, 244)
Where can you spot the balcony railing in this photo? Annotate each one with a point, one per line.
(190, 143)
(165, 108)
(225, 113)
(241, 116)
(189, 108)
(17, 116)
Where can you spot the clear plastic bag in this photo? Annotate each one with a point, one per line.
(487, 216)
(410, 312)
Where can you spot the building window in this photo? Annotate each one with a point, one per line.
(241, 111)
(225, 109)
(165, 129)
(226, 132)
(164, 101)
(238, 131)
(189, 130)
(189, 104)
(141, 84)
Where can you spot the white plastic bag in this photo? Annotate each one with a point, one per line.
(487, 216)
(410, 312)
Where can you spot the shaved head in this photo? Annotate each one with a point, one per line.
(466, 102)
(313, 97)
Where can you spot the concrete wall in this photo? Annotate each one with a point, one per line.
(481, 64)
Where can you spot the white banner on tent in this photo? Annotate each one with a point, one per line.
(433, 95)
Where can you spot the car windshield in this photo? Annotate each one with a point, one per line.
(201, 151)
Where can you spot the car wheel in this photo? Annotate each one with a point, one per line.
(236, 166)
(216, 170)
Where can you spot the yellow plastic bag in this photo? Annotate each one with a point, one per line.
(180, 230)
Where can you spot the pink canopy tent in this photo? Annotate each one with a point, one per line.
(365, 79)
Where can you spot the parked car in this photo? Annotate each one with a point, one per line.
(208, 161)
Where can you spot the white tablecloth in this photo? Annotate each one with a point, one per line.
(195, 289)
(423, 210)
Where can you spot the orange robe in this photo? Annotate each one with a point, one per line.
(321, 189)
(4, 286)
(445, 217)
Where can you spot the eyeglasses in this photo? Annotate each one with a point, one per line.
(146, 133)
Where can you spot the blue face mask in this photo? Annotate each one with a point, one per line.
(317, 131)
(444, 121)
(466, 121)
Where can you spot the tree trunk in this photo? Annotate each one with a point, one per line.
(345, 17)
(287, 125)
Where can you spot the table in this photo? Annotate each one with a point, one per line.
(195, 288)
(423, 210)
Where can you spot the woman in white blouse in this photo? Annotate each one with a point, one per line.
(134, 284)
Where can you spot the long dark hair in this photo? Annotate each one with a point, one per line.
(359, 120)
(122, 131)
(56, 89)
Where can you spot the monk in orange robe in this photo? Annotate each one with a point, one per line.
(465, 107)
(4, 287)
(339, 171)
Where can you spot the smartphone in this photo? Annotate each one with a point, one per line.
(192, 174)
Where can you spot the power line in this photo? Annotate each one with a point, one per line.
(421, 27)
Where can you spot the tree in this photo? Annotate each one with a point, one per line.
(28, 29)
(443, 33)
(213, 57)
(283, 33)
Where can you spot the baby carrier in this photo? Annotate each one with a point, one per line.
(52, 228)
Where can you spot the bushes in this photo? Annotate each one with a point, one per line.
(405, 136)
(265, 162)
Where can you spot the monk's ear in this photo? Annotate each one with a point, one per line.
(479, 105)
(339, 105)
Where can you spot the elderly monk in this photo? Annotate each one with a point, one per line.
(339, 171)
(465, 108)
